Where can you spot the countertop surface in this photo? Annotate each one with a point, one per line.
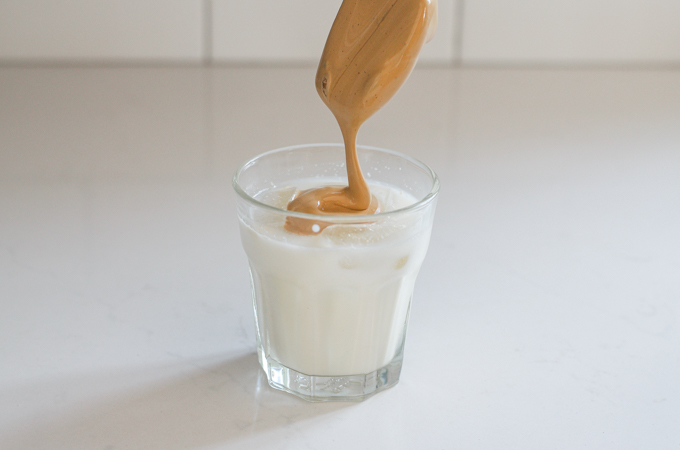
(546, 314)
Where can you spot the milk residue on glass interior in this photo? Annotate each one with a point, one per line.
(370, 52)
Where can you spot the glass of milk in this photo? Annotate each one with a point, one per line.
(331, 308)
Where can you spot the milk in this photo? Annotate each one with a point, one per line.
(335, 303)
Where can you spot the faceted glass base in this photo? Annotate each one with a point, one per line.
(335, 388)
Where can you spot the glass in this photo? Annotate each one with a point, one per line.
(331, 308)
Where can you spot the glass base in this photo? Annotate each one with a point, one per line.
(329, 389)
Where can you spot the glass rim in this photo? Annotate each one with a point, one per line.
(340, 218)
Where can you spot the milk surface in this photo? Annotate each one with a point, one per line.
(334, 303)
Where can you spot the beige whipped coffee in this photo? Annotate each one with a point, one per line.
(335, 252)
(370, 51)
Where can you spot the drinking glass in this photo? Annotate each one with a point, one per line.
(331, 308)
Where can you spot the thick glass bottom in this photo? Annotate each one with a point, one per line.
(334, 388)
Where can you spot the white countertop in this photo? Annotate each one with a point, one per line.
(546, 314)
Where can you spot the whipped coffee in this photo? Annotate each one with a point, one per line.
(371, 50)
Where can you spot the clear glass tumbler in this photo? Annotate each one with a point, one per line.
(331, 308)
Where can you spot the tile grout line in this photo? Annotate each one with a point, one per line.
(207, 33)
(458, 21)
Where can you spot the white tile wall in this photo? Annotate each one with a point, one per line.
(101, 30)
(496, 31)
(278, 30)
(573, 31)
(441, 49)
